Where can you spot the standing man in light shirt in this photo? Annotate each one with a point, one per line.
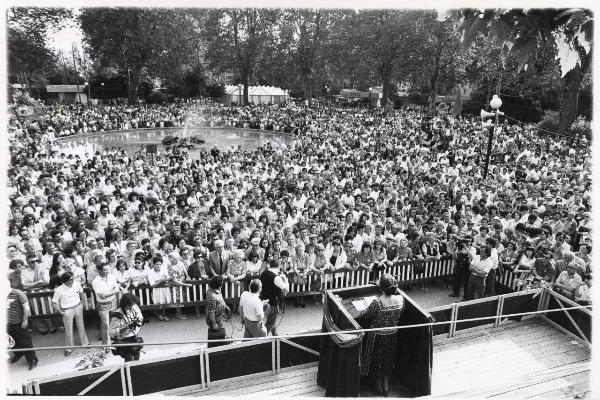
(68, 301)
(479, 270)
(252, 311)
(490, 280)
(106, 287)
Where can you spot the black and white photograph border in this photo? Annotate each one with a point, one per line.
(332, 199)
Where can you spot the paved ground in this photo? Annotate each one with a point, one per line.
(294, 320)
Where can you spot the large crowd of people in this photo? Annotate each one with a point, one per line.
(357, 188)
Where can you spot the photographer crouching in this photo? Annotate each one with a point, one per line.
(124, 327)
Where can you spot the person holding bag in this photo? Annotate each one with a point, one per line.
(125, 326)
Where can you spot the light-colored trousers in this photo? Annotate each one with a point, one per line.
(104, 310)
(76, 314)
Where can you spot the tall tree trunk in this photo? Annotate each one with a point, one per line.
(308, 90)
(132, 86)
(570, 99)
(433, 90)
(489, 93)
(570, 94)
(386, 78)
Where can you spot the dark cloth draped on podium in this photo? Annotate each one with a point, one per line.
(414, 361)
(339, 360)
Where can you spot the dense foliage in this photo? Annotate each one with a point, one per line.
(535, 59)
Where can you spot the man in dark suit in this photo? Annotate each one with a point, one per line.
(218, 259)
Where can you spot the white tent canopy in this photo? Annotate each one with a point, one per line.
(256, 94)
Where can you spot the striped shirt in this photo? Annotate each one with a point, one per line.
(14, 309)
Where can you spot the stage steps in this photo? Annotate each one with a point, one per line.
(290, 382)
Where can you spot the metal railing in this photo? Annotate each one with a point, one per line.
(207, 361)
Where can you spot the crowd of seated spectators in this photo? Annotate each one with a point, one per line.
(358, 188)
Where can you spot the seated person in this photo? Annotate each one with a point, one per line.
(543, 268)
(568, 281)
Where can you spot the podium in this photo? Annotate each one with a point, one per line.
(340, 355)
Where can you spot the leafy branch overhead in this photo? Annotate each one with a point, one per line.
(520, 32)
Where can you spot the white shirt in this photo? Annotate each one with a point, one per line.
(67, 297)
(78, 274)
(154, 276)
(251, 306)
(484, 265)
(103, 286)
(253, 268)
(494, 257)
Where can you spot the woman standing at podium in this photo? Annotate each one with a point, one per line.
(379, 352)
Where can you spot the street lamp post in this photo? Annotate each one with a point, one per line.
(103, 93)
(495, 103)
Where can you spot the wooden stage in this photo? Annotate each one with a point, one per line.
(517, 360)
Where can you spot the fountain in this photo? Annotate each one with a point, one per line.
(195, 134)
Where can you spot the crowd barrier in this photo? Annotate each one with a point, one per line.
(200, 369)
(577, 322)
(405, 271)
(188, 371)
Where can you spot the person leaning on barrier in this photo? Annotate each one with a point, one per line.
(125, 325)
(17, 319)
(583, 294)
(252, 310)
(568, 281)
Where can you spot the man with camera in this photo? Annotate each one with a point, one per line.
(461, 267)
(125, 326)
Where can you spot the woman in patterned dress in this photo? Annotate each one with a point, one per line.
(178, 274)
(379, 352)
(236, 270)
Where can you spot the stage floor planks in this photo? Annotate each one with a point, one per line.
(291, 382)
(517, 360)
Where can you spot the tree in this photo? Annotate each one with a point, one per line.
(392, 40)
(137, 40)
(442, 52)
(29, 55)
(237, 39)
(521, 32)
(346, 53)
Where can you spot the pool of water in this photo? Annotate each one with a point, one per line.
(131, 141)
